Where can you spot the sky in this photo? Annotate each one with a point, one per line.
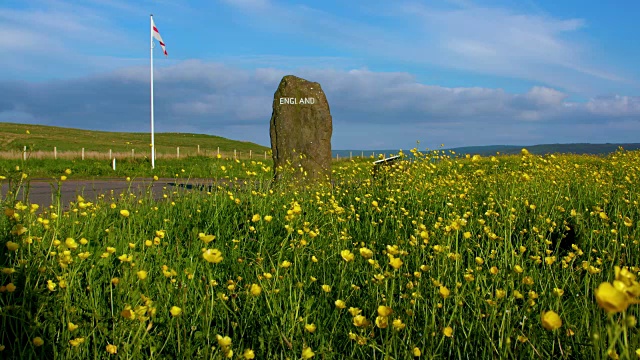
(397, 74)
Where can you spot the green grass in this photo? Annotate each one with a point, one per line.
(479, 241)
(13, 137)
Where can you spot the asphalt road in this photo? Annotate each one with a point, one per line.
(42, 193)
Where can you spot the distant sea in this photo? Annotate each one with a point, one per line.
(581, 148)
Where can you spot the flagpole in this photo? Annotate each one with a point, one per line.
(153, 147)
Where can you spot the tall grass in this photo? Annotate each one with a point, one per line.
(437, 257)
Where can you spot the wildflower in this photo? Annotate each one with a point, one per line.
(395, 262)
(77, 341)
(37, 341)
(223, 341)
(212, 255)
(63, 178)
(416, 352)
(551, 320)
(384, 311)
(444, 292)
(398, 324)
(285, 264)
(310, 328)
(127, 313)
(268, 218)
(206, 238)
(255, 218)
(518, 269)
(175, 311)
(68, 171)
(12, 246)
(111, 250)
(347, 255)
(8, 271)
(249, 354)
(366, 253)
(10, 287)
(51, 285)
(124, 213)
(448, 331)
(326, 288)
(493, 270)
(307, 353)
(360, 321)
(71, 243)
(255, 289)
(112, 349)
(142, 274)
(71, 326)
(340, 304)
(611, 299)
(382, 322)
(558, 292)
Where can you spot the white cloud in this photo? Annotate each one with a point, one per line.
(370, 109)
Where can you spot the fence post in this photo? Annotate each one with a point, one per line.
(55, 152)
(350, 155)
(198, 149)
(265, 155)
(250, 156)
(178, 152)
(362, 155)
(218, 154)
(337, 156)
(82, 153)
(24, 153)
(114, 164)
(234, 155)
(110, 157)
(133, 153)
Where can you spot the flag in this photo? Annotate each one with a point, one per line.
(157, 36)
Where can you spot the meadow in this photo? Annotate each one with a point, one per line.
(519, 256)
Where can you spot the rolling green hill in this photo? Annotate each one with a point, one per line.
(13, 137)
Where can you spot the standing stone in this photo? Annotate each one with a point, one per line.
(301, 128)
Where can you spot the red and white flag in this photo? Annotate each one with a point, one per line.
(157, 36)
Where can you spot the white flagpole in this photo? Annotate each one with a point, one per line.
(153, 147)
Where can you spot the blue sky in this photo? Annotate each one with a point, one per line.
(456, 72)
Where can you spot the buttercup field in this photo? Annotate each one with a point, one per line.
(428, 259)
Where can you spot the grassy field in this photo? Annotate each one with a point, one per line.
(41, 140)
(500, 257)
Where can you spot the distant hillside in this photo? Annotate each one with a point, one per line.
(584, 148)
(13, 137)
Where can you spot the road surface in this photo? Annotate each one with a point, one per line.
(42, 193)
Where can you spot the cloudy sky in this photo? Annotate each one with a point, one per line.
(457, 72)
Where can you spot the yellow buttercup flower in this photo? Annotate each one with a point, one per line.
(340, 304)
(395, 262)
(12, 246)
(444, 292)
(360, 321)
(366, 253)
(175, 311)
(223, 341)
(124, 213)
(142, 274)
(37, 341)
(398, 324)
(112, 349)
(307, 353)
(611, 299)
(310, 328)
(71, 326)
(384, 311)
(77, 341)
(551, 320)
(249, 354)
(206, 238)
(213, 256)
(255, 289)
(347, 255)
(448, 331)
